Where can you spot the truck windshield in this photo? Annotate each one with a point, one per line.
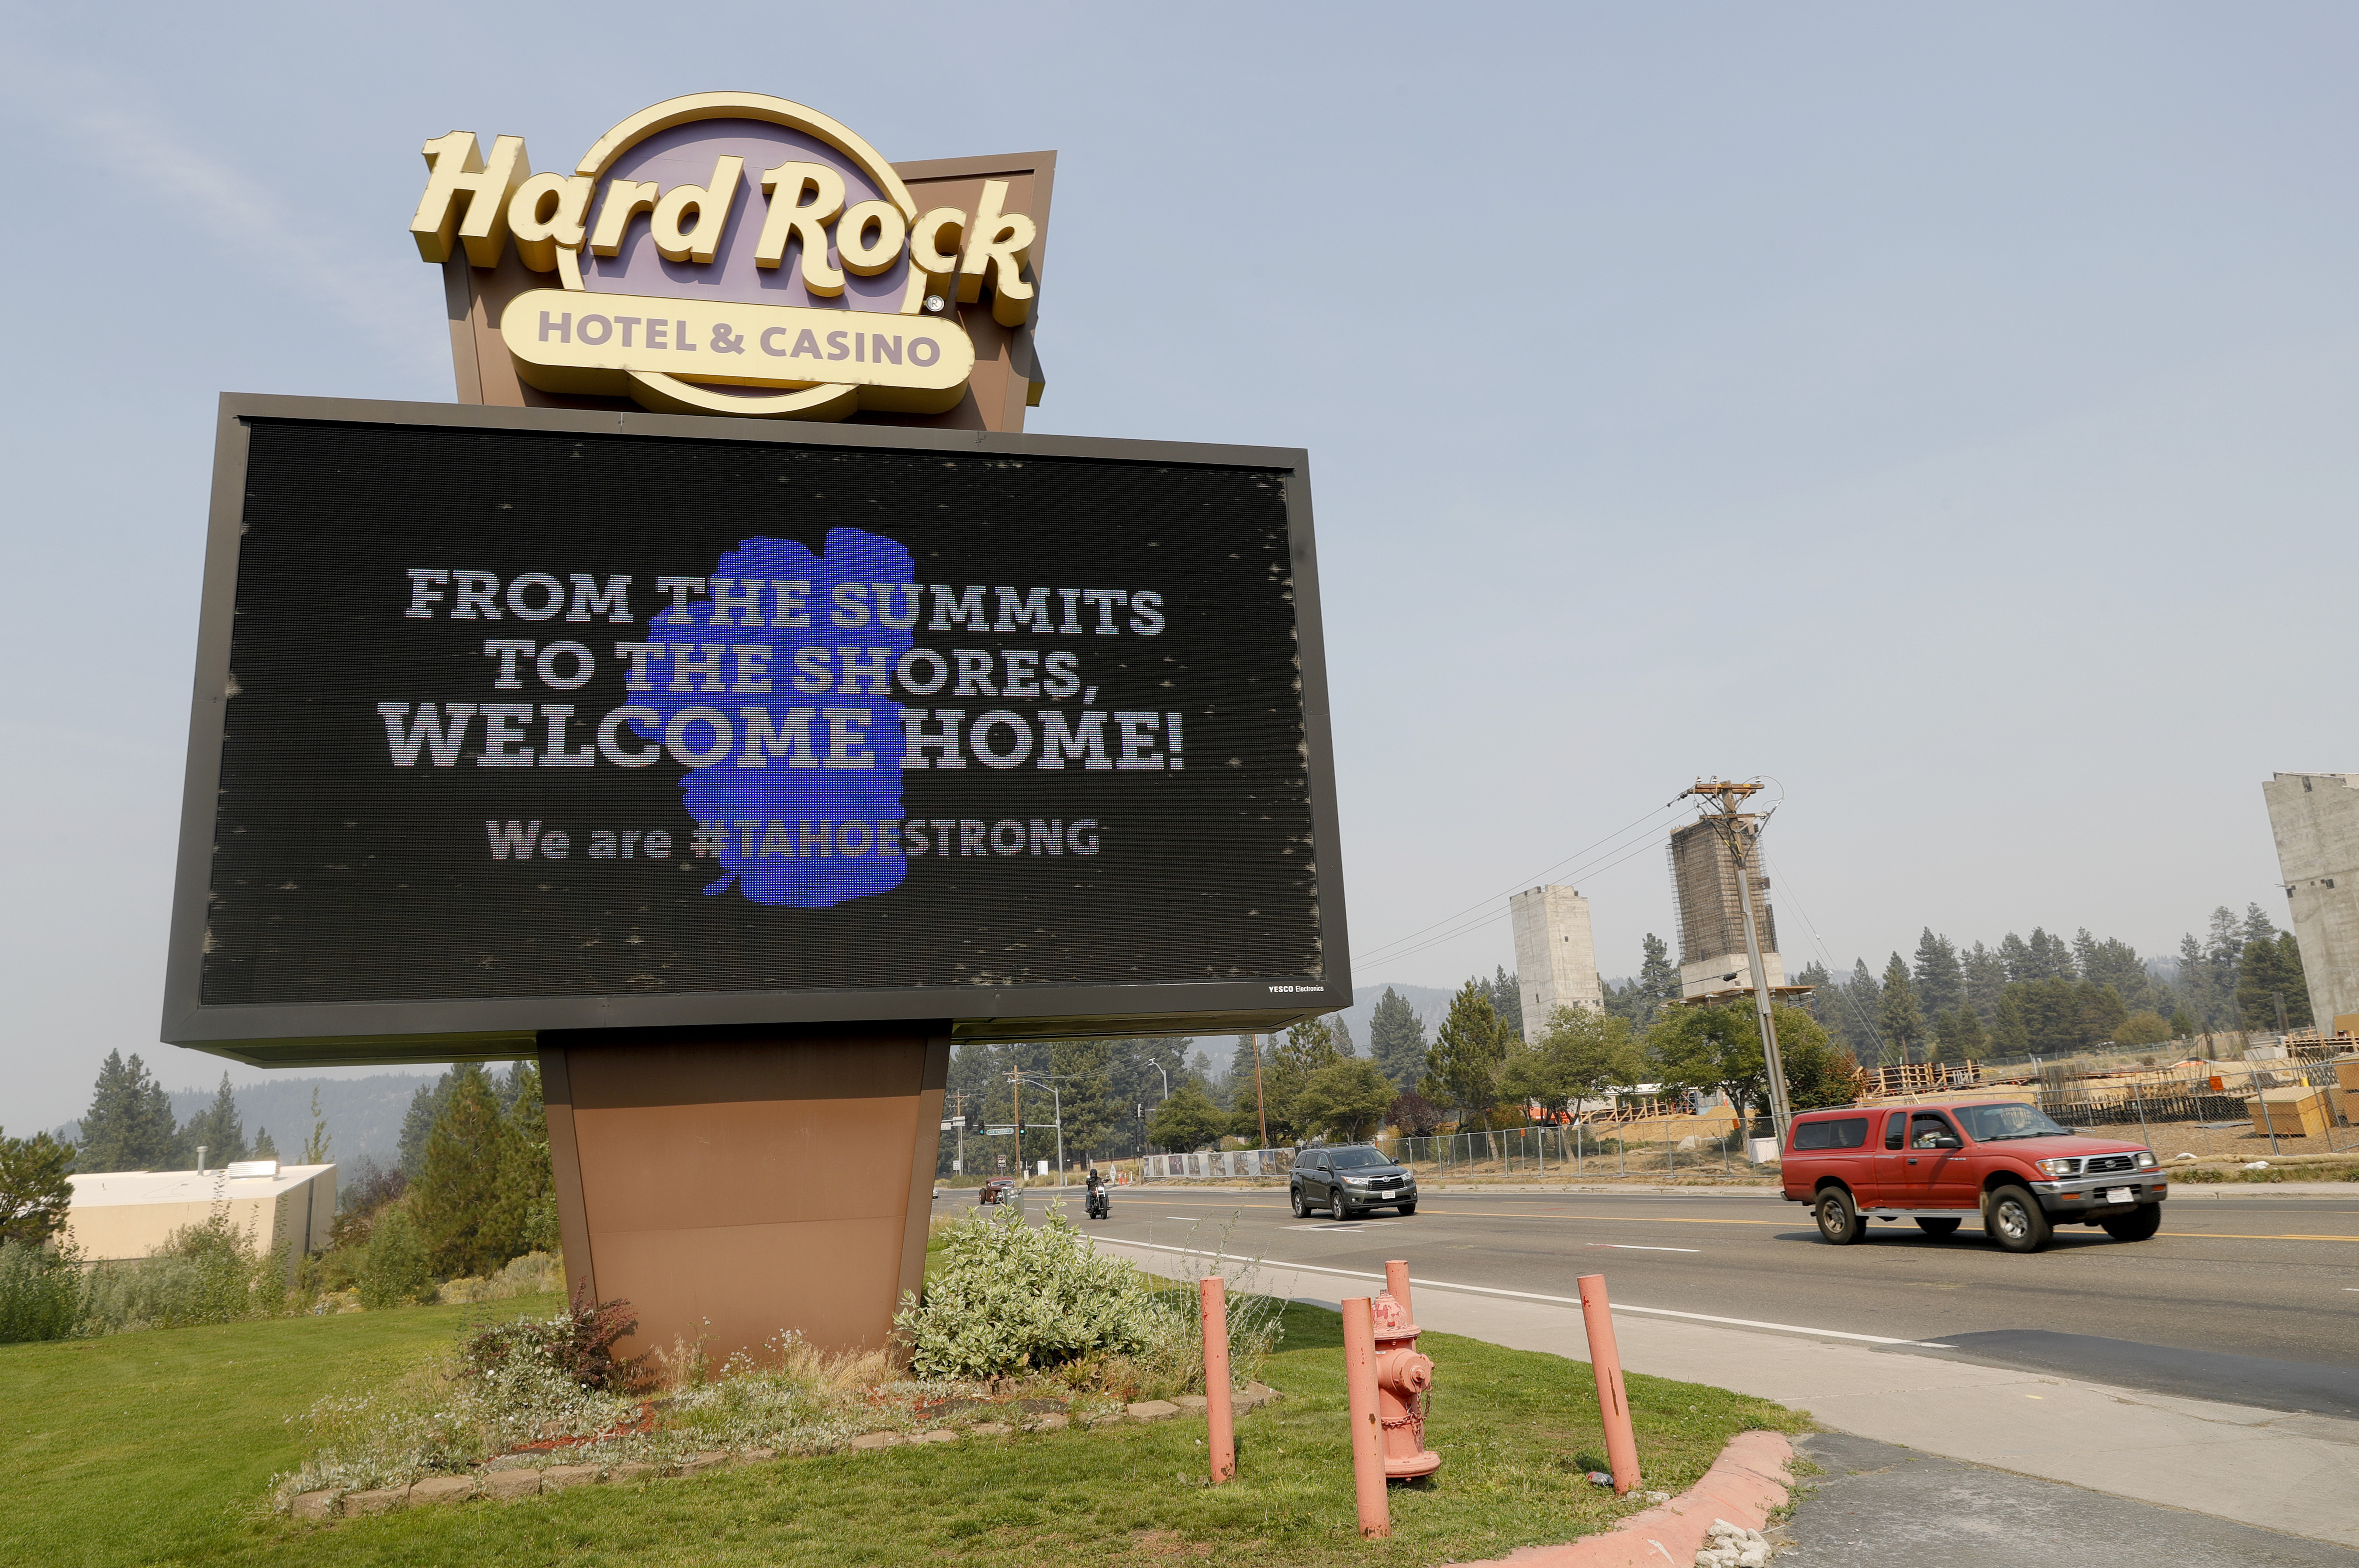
(1997, 1123)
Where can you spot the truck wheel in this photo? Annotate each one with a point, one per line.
(2016, 1222)
(1838, 1219)
(2137, 1225)
(1301, 1209)
(1937, 1228)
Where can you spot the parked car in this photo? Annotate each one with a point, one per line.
(1350, 1180)
(995, 1190)
(1940, 1164)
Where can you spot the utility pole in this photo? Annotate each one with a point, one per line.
(1015, 1077)
(1732, 829)
(1261, 1107)
(958, 1101)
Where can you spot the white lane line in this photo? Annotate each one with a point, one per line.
(1553, 1301)
(1188, 1217)
(1633, 1247)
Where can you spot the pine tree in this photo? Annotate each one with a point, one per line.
(35, 1189)
(455, 1198)
(1396, 1040)
(425, 1110)
(1659, 977)
(1464, 1065)
(2297, 982)
(265, 1146)
(527, 1203)
(2015, 953)
(1084, 1073)
(1986, 978)
(2270, 972)
(1242, 1076)
(129, 1125)
(1940, 980)
(217, 1129)
(1902, 1020)
(1852, 1013)
(315, 1148)
(2223, 947)
(2195, 982)
(1961, 1035)
(2051, 958)
(1306, 1047)
(1507, 1001)
(2010, 1030)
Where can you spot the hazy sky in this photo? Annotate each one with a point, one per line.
(1946, 411)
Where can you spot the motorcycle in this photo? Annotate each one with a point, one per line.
(1099, 1202)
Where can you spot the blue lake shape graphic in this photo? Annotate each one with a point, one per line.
(799, 835)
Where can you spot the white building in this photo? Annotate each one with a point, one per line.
(121, 1214)
(2315, 820)
(1556, 956)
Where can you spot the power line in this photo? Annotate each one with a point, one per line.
(1398, 952)
(1384, 952)
(1840, 985)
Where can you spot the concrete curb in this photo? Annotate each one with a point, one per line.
(1745, 1485)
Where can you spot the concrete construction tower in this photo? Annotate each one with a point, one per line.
(2315, 820)
(1556, 956)
(1712, 912)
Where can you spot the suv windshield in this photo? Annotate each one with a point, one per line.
(1357, 1159)
(1996, 1123)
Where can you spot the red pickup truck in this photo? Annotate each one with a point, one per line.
(2007, 1163)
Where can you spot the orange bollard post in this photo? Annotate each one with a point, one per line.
(1612, 1404)
(1397, 1284)
(1220, 1419)
(1368, 1428)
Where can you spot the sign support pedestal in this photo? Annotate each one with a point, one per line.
(733, 1184)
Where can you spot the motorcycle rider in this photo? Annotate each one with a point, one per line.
(1097, 1207)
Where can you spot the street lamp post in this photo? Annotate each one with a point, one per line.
(1056, 1115)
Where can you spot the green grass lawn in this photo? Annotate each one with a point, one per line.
(154, 1448)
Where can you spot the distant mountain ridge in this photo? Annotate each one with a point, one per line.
(364, 1115)
(1430, 1004)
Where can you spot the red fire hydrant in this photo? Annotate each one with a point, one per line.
(1404, 1378)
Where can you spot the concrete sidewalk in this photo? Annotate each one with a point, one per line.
(2294, 1474)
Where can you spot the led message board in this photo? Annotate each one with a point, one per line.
(520, 719)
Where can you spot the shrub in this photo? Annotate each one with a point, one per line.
(531, 1274)
(210, 1272)
(1007, 1298)
(392, 1272)
(42, 1293)
(578, 1343)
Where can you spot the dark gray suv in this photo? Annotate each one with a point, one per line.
(1349, 1181)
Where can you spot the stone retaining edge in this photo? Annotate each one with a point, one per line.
(1745, 1486)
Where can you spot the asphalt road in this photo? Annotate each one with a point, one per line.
(2250, 1300)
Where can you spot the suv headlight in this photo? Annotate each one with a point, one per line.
(2052, 1169)
(1355, 1181)
(2146, 1160)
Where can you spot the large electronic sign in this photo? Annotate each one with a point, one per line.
(512, 720)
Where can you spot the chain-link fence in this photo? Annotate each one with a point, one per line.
(1655, 1145)
(2220, 1111)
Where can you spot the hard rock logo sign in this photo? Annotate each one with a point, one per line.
(730, 253)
